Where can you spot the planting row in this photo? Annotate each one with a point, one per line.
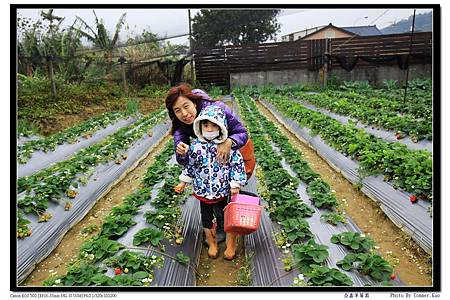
(134, 246)
(42, 160)
(418, 101)
(290, 212)
(374, 112)
(406, 211)
(70, 135)
(59, 182)
(403, 125)
(102, 178)
(385, 135)
(263, 256)
(410, 170)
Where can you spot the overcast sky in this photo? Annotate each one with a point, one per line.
(170, 22)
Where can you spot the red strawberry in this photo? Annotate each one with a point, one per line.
(393, 276)
(117, 271)
(398, 136)
(413, 199)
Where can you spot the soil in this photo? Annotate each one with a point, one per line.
(414, 264)
(69, 247)
(219, 271)
(60, 122)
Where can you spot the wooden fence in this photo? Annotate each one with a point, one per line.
(213, 66)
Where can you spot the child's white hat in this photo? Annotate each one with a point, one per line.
(216, 115)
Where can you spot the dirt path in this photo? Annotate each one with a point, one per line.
(68, 249)
(220, 272)
(414, 265)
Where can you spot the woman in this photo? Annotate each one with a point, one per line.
(183, 106)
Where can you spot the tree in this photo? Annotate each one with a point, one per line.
(45, 38)
(221, 27)
(100, 37)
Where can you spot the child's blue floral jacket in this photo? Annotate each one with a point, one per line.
(210, 179)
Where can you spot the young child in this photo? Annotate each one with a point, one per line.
(212, 182)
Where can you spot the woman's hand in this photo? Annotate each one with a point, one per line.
(234, 191)
(182, 148)
(223, 151)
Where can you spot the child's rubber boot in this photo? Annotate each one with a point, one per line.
(210, 235)
(230, 252)
(220, 233)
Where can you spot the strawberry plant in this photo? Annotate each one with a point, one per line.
(297, 229)
(134, 262)
(308, 254)
(367, 264)
(161, 217)
(123, 209)
(333, 218)
(182, 258)
(115, 226)
(354, 241)
(320, 194)
(290, 209)
(136, 279)
(98, 248)
(324, 276)
(152, 235)
(22, 229)
(81, 275)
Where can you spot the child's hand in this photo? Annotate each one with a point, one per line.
(234, 191)
(180, 187)
(182, 148)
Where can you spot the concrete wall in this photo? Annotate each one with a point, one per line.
(375, 75)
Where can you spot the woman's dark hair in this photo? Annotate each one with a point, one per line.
(172, 96)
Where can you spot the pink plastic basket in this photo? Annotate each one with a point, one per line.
(241, 218)
(242, 198)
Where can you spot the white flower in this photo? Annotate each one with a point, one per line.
(301, 277)
(363, 235)
(58, 281)
(288, 245)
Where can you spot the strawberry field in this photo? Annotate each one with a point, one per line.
(377, 147)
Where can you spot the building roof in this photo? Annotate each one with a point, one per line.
(303, 32)
(363, 30)
(329, 26)
(358, 30)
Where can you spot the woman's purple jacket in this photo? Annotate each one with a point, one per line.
(236, 131)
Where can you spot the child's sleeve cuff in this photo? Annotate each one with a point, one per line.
(234, 184)
(185, 178)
